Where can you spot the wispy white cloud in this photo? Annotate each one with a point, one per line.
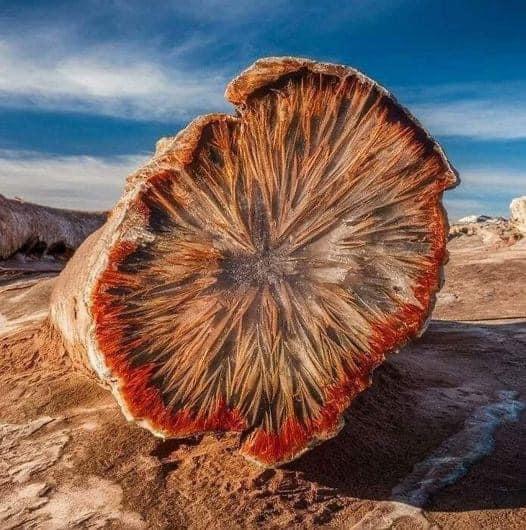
(482, 119)
(482, 111)
(51, 70)
(218, 10)
(108, 80)
(485, 190)
(95, 183)
(496, 178)
(457, 208)
(78, 182)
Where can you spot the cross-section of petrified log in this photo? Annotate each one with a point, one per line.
(261, 266)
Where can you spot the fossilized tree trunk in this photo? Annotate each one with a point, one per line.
(31, 227)
(260, 267)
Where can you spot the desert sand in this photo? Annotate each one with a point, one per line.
(437, 441)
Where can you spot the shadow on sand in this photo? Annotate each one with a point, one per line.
(419, 399)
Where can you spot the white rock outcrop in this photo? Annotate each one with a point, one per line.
(473, 219)
(518, 213)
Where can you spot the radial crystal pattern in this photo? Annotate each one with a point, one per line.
(279, 261)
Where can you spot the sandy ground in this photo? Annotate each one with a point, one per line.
(437, 442)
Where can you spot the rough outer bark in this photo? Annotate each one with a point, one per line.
(25, 226)
(259, 267)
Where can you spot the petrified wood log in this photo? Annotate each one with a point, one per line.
(31, 228)
(260, 267)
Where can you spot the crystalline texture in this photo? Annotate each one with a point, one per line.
(261, 266)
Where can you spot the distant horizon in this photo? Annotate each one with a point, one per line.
(85, 93)
(110, 192)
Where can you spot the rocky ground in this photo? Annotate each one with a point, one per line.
(438, 441)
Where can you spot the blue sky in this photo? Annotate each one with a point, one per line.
(87, 87)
